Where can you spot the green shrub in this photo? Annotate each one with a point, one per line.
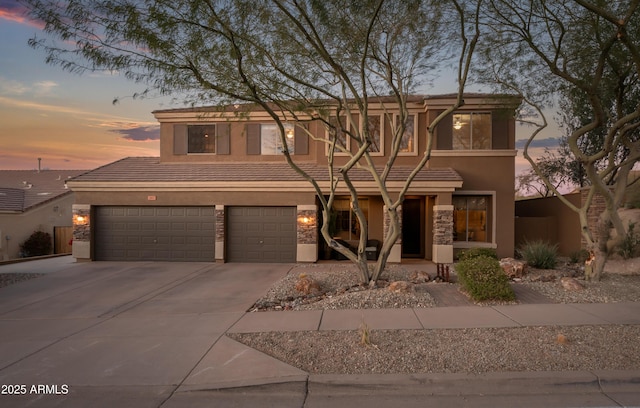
(39, 243)
(630, 242)
(579, 256)
(539, 254)
(483, 278)
(476, 252)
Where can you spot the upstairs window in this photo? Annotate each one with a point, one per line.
(201, 139)
(471, 131)
(375, 126)
(409, 137)
(335, 132)
(271, 142)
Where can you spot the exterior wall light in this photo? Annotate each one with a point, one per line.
(289, 133)
(80, 219)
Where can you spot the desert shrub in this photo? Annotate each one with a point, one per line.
(579, 256)
(476, 252)
(483, 278)
(39, 243)
(630, 243)
(539, 254)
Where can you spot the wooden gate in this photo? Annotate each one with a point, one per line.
(62, 237)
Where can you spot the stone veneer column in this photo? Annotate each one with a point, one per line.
(443, 233)
(81, 247)
(598, 206)
(220, 224)
(395, 256)
(307, 233)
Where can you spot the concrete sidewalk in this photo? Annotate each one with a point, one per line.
(152, 334)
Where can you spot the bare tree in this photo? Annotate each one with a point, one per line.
(300, 61)
(543, 49)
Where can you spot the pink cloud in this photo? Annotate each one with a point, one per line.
(13, 11)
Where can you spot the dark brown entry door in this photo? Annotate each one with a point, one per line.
(413, 228)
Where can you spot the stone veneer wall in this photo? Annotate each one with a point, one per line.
(220, 223)
(598, 206)
(82, 230)
(443, 227)
(307, 231)
(81, 245)
(395, 256)
(387, 224)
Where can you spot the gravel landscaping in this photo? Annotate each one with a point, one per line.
(607, 347)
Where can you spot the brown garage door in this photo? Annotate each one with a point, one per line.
(261, 234)
(155, 234)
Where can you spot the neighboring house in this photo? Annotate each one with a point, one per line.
(221, 189)
(32, 200)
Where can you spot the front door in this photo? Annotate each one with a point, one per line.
(413, 228)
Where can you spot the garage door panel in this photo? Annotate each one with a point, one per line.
(254, 211)
(177, 212)
(155, 233)
(261, 234)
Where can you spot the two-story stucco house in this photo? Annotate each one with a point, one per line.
(221, 189)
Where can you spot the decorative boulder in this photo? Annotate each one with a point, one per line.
(513, 268)
(307, 285)
(401, 287)
(420, 277)
(571, 284)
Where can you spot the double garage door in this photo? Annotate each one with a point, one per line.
(155, 234)
(254, 234)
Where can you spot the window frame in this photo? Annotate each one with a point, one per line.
(338, 152)
(342, 207)
(491, 225)
(213, 134)
(396, 124)
(471, 115)
(278, 148)
(364, 120)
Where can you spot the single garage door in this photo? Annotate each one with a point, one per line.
(155, 234)
(261, 234)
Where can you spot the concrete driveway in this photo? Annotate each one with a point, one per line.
(150, 334)
(117, 334)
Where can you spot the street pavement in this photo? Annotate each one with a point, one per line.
(152, 334)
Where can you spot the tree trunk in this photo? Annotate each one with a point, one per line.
(594, 265)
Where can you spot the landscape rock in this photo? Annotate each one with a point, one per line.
(513, 268)
(401, 287)
(571, 284)
(307, 285)
(420, 277)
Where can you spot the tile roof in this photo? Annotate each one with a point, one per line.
(149, 169)
(21, 190)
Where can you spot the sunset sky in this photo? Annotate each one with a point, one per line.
(69, 120)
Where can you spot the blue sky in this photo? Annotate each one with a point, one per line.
(69, 120)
